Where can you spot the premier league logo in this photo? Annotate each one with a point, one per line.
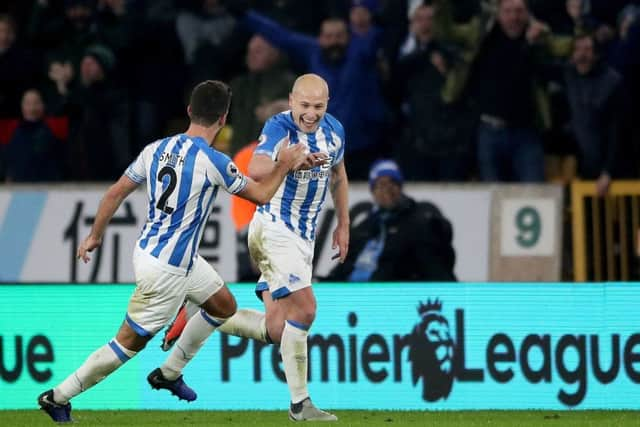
(232, 169)
(431, 352)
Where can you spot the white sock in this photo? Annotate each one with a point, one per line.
(191, 309)
(198, 329)
(98, 365)
(293, 348)
(247, 323)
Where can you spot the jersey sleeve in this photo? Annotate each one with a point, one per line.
(226, 174)
(339, 130)
(137, 170)
(271, 137)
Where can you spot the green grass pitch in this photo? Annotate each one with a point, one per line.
(346, 418)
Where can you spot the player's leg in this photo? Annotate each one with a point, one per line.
(213, 313)
(101, 363)
(297, 315)
(95, 368)
(217, 304)
(298, 310)
(245, 323)
(290, 312)
(156, 297)
(275, 317)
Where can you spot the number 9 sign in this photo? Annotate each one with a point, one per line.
(528, 227)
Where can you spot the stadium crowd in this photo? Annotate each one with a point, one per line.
(502, 90)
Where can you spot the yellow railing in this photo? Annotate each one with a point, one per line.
(605, 230)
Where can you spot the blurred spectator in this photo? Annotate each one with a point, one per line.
(399, 239)
(625, 51)
(437, 146)
(208, 39)
(18, 69)
(395, 17)
(595, 100)
(20, 11)
(347, 62)
(64, 36)
(114, 24)
(99, 112)
(607, 11)
(154, 46)
(61, 76)
(33, 154)
(361, 16)
(624, 56)
(259, 93)
(575, 18)
(300, 16)
(500, 73)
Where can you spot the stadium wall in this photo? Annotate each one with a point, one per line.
(500, 232)
(373, 346)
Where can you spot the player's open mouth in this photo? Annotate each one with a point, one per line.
(308, 122)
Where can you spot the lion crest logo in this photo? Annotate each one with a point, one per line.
(431, 352)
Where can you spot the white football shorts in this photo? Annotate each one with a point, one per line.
(159, 294)
(283, 258)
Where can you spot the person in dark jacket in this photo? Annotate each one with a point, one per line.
(34, 154)
(98, 109)
(594, 91)
(400, 239)
(18, 68)
(437, 143)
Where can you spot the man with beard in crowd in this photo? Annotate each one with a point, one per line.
(347, 61)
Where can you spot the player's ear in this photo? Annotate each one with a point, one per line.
(189, 110)
(222, 120)
(290, 100)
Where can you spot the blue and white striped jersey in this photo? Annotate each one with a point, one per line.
(300, 197)
(183, 175)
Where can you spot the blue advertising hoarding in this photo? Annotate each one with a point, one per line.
(373, 346)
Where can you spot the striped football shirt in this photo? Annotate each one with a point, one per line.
(183, 176)
(300, 197)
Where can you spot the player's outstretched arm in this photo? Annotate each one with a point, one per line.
(262, 189)
(340, 194)
(108, 207)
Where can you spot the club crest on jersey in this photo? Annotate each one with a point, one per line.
(327, 166)
(232, 170)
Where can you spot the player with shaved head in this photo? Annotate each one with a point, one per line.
(282, 234)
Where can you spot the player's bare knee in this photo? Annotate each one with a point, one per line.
(230, 308)
(275, 325)
(130, 340)
(303, 315)
(307, 316)
(222, 308)
(306, 312)
(222, 304)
